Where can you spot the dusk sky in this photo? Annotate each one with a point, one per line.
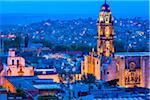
(122, 7)
(75, 8)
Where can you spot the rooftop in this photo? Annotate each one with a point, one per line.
(132, 54)
(47, 86)
(43, 81)
(24, 82)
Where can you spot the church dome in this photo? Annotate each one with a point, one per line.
(105, 7)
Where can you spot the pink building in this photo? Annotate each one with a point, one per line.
(16, 65)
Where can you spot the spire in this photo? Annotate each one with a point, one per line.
(105, 1)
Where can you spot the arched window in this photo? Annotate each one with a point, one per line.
(17, 63)
(13, 62)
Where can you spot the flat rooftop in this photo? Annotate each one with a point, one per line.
(132, 54)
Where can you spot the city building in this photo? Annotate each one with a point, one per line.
(130, 68)
(100, 63)
(105, 46)
(47, 73)
(16, 65)
(47, 87)
(133, 69)
(90, 65)
(32, 86)
(12, 83)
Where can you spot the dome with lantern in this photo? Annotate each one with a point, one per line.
(105, 7)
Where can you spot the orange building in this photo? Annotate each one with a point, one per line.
(91, 65)
(25, 83)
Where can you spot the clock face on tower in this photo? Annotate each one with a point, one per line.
(107, 31)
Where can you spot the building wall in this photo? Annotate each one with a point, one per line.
(120, 66)
(91, 65)
(110, 72)
(97, 68)
(14, 71)
(133, 77)
(78, 76)
(147, 71)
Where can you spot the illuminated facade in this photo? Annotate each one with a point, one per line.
(133, 69)
(16, 65)
(105, 34)
(100, 63)
(91, 65)
(105, 47)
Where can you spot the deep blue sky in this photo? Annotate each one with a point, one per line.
(76, 8)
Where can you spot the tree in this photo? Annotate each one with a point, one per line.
(89, 78)
(12, 43)
(20, 92)
(112, 83)
(119, 46)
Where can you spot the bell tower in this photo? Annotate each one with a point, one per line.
(105, 36)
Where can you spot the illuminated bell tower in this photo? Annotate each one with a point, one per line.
(105, 47)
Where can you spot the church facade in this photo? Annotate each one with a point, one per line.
(16, 66)
(131, 69)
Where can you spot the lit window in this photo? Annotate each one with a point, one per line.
(44, 72)
(103, 8)
(107, 73)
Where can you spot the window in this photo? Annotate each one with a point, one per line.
(17, 63)
(107, 19)
(107, 73)
(44, 72)
(97, 62)
(13, 62)
(83, 67)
